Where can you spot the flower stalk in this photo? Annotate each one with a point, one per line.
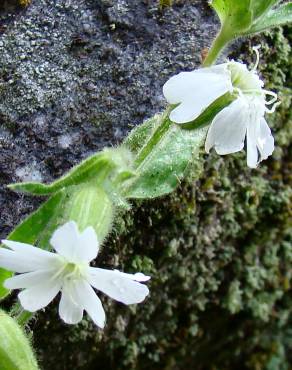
(217, 47)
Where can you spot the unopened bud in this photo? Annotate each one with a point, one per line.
(15, 349)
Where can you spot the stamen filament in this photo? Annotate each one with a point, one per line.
(271, 93)
(256, 50)
(272, 110)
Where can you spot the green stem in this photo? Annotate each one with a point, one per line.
(218, 45)
(155, 138)
(20, 315)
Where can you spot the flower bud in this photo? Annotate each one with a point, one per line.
(15, 349)
(89, 205)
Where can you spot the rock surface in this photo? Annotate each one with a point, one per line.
(76, 76)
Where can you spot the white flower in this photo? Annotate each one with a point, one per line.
(194, 91)
(44, 274)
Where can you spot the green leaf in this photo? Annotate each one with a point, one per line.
(140, 134)
(244, 17)
(235, 16)
(114, 164)
(33, 230)
(274, 17)
(29, 230)
(97, 166)
(259, 7)
(4, 274)
(163, 160)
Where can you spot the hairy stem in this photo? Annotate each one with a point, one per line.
(155, 138)
(216, 48)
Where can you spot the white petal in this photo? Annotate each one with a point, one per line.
(87, 298)
(25, 248)
(39, 296)
(75, 246)
(196, 91)
(17, 262)
(28, 280)
(24, 257)
(265, 141)
(251, 141)
(87, 245)
(184, 84)
(252, 153)
(138, 276)
(64, 239)
(70, 311)
(118, 285)
(222, 69)
(228, 129)
(11, 261)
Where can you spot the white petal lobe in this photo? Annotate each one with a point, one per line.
(39, 296)
(195, 91)
(24, 257)
(118, 286)
(90, 302)
(75, 246)
(70, 310)
(265, 141)
(228, 129)
(87, 246)
(138, 276)
(28, 280)
(64, 239)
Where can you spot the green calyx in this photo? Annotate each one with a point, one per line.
(15, 349)
(90, 206)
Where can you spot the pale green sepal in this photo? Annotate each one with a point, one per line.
(89, 205)
(273, 18)
(15, 349)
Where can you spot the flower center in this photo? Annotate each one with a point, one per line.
(72, 271)
(248, 82)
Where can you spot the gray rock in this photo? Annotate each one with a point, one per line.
(85, 72)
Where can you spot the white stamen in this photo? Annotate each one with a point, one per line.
(256, 50)
(271, 93)
(272, 110)
(240, 93)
